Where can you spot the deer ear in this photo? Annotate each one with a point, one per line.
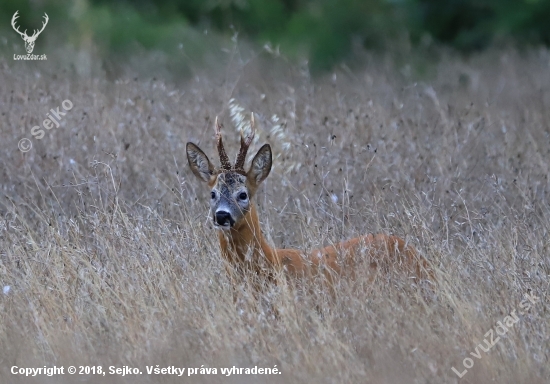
(261, 165)
(199, 163)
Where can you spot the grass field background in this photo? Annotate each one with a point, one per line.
(107, 256)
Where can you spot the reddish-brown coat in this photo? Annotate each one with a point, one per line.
(243, 246)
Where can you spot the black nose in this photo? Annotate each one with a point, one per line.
(223, 218)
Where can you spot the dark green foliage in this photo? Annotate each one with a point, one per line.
(473, 24)
(462, 23)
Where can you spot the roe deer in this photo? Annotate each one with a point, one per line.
(241, 241)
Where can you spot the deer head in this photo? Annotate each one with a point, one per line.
(29, 40)
(232, 188)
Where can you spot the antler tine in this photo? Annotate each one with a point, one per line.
(15, 27)
(224, 159)
(44, 23)
(245, 144)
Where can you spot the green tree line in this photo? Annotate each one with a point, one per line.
(324, 30)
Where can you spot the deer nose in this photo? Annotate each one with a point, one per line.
(224, 218)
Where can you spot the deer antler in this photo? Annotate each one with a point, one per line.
(44, 23)
(245, 143)
(224, 159)
(16, 28)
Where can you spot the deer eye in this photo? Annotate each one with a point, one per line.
(243, 196)
(213, 195)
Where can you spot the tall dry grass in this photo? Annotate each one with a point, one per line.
(107, 256)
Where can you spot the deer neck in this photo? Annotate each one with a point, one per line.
(245, 241)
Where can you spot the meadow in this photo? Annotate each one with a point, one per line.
(108, 256)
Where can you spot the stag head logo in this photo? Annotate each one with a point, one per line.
(29, 40)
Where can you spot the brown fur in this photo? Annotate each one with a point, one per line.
(244, 247)
(380, 251)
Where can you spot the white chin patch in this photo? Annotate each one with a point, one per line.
(225, 227)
